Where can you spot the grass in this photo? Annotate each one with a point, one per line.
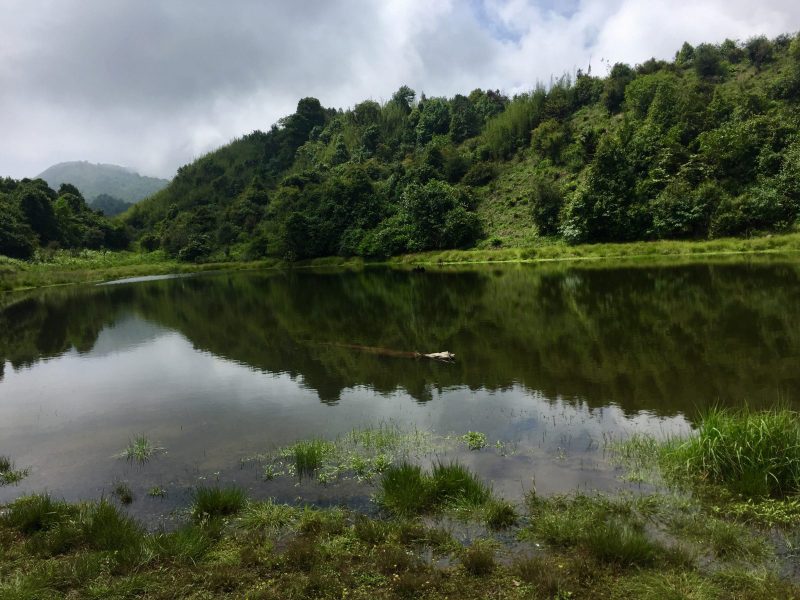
(212, 502)
(610, 532)
(478, 559)
(49, 548)
(123, 493)
(500, 514)
(363, 454)
(9, 474)
(140, 449)
(406, 489)
(65, 267)
(307, 456)
(751, 453)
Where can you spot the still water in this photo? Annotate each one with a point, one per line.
(551, 361)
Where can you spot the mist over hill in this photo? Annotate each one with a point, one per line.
(94, 180)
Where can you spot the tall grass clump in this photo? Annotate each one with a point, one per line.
(309, 455)
(408, 490)
(455, 483)
(211, 502)
(753, 453)
(38, 512)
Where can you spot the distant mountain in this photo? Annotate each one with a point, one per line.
(109, 180)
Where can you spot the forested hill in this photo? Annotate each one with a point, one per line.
(706, 145)
(110, 188)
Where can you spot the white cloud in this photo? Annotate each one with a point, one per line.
(153, 85)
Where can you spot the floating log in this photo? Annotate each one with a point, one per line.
(444, 356)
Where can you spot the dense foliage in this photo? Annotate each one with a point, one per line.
(704, 146)
(32, 215)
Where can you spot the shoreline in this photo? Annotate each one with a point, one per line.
(94, 267)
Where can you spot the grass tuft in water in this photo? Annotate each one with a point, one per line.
(212, 502)
(123, 492)
(9, 474)
(752, 453)
(140, 449)
(157, 492)
(308, 455)
(408, 490)
(455, 483)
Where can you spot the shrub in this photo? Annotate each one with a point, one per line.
(760, 208)
(547, 203)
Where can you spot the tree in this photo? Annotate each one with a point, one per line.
(438, 216)
(707, 61)
(17, 239)
(38, 212)
(404, 98)
(465, 121)
(547, 202)
(685, 55)
(433, 119)
(614, 88)
(759, 51)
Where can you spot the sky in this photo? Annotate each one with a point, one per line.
(153, 84)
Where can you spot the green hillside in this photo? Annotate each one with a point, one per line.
(703, 146)
(122, 185)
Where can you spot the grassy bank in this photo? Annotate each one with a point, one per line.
(88, 266)
(548, 251)
(231, 547)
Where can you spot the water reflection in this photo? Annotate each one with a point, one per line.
(664, 339)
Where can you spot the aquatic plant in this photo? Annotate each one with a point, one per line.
(140, 449)
(475, 440)
(9, 474)
(212, 502)
(157, 492)
(753, 453)
(123, 492)
(308, 455)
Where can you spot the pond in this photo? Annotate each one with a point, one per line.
(219, 371)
